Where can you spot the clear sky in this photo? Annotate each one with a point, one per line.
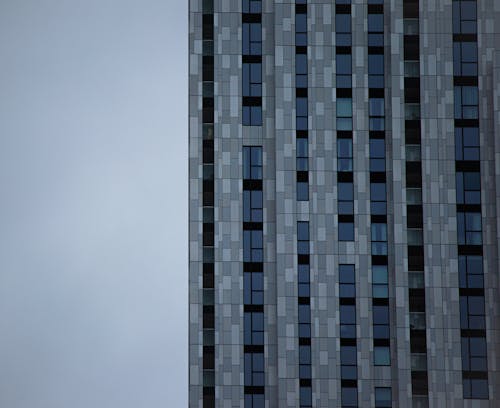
(93, 203)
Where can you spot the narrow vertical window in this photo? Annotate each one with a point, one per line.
(253, 277)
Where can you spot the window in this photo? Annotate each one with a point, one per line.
(344, 114)
(254, 369)
(380, 321)
(469, 228)
(301, 70)
(300, 29)
(254, 328)
(381, 355)
(468, 187)
(378, 204)
(377, 155)
(305, 396)
(252, 162)
(302, 154)
(344, 154)
(301, 111)
(252, 39)
(252, 6)
(253, 246)
(346, 231)
(383, 397)
(380, 281)
(465, 58)
(347, 286)
(344, 69)
(476, 388)
(345, 198)
(302, 191)
(472, 312)
(302, 237)
(252, 79)
(376, 70)
(349, 397)
(253, 288)
(474, 354)
(379, 239)
(466, 102)
(467, 143)
(470, 271)
(343, 28)
(252, 205)
(464, 17)
(303, 280)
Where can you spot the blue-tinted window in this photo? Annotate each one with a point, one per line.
(252, 39)
(349, 397)
(302, 191)
(343, 23)
(475, 388)
(466, 102)
(470, 270)
(381, 355)
(376, 23)
(302, 154)
(467, 143)
(469, 228)
(252, 6)
(344, 154)
(252, 162)
(346, 231)
(383, 398)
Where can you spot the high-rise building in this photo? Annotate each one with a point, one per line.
(344, 203)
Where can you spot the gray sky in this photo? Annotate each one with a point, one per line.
(93, 203)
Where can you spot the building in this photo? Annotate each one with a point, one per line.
(344, 211)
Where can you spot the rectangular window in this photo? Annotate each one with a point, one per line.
(383, 398)
(466, 102)
(252, 163)
(466, 143)
(469, 228)
(344, 155)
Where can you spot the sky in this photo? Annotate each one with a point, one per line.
(93, 203)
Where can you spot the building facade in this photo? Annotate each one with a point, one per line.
(344, 203)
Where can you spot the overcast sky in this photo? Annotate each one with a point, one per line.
(93, 203)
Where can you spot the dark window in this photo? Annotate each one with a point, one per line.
(252, 39)
(302, 154)
(253, 288)
(379, 238)
(252, 162)
(349, 397)
(345, 198)
(252, 205)
(254, 369)
(467, 143)
(377, 155)
(465, 58)
(470, 270)
(464, 17)
(347, 286)
(468, 187)
(472, 312)
(469, 228)
(252, 6)
(381, 355)
(466, 102)
(254, 328)
(253, 246)
(346, 231)
(476, 388)
(344, 154)
(474, 354)
(302, 191)
(383, 397)
(252, 79)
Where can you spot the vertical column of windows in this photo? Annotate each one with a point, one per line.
(252, 62)
(378, 187)
(304, 314)
(253, 278)
(414, 211)
(348, 342)
(301, 100)
(208, 205)
(468, 187)
(343, 66)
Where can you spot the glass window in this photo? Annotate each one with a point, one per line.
(381, 355)
(349, 397)
(343, 23)
(376, 23)
(475, 388)
(383, 397)
(346, 231)
(343, 65)
(302, 191)
(344, 154)
(467, 143)
(344, 107)
(252, 6)
(466, 102)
